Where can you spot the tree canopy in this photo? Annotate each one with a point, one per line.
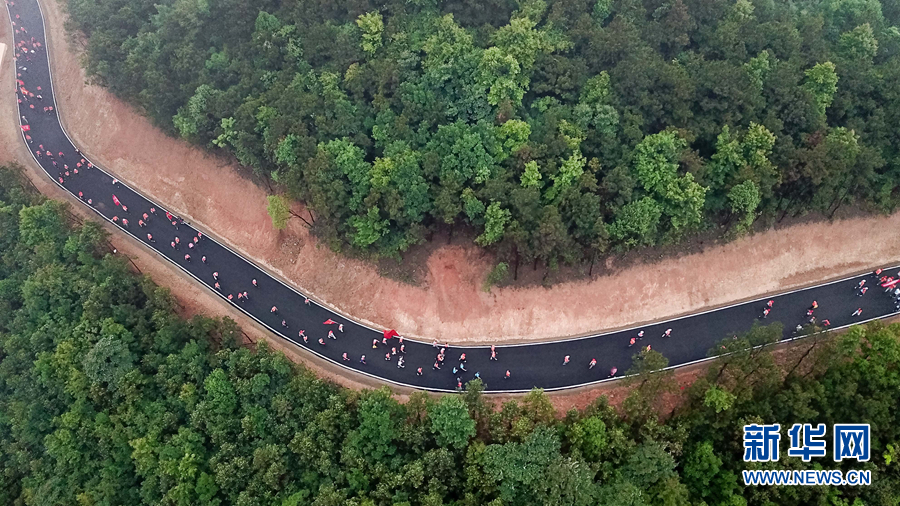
(108, 397)
(393, 119)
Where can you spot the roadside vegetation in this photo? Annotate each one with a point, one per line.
(554, 131)
(107, 396)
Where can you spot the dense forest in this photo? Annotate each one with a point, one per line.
(107, 397)
(554, 130)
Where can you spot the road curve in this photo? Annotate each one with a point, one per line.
(530, 365)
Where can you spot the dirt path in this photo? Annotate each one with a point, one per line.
(449, 305)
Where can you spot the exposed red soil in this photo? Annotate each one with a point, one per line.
(447, 303)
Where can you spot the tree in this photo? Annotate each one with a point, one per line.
(859, 44)
(279, 211)
(495, 218)
(371, 25)
(369, 228)
(590, 437)
(495, 276)
(108, 361)
(636, 223)
(570, 170)
(821, 81)
(531, 178)
(450, 422)
(744, 200)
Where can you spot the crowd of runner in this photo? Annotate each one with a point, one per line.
(189, 243)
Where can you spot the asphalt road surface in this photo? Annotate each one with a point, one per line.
(530, 365)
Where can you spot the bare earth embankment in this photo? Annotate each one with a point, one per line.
(449, 304)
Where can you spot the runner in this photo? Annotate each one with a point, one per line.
(274, 309)
(217, 286)
(632, 341)
(462, 358)
(507, 375)
(374, 343)
(150, 238)
(857, 312)
(254, 282)
(362, 360)
(419, 371)
(284, 324)
(203, 259)
(400, 364)
(863, 291)
(321, 341)
(331, 335)
(667, 333)
(566, 360)
(345, 357)
(765, 313)
(612, 372)
(187, 258)
(770, 303)
(593, 363)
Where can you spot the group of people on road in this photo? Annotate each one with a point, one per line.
(30, 99)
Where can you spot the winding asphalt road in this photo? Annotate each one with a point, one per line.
(530, 365)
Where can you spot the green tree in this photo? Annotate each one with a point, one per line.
(821, 81)
(450, 422)
(744, 199)
(278, 211)
(371, 25)
(495, 218)
(636, 223)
